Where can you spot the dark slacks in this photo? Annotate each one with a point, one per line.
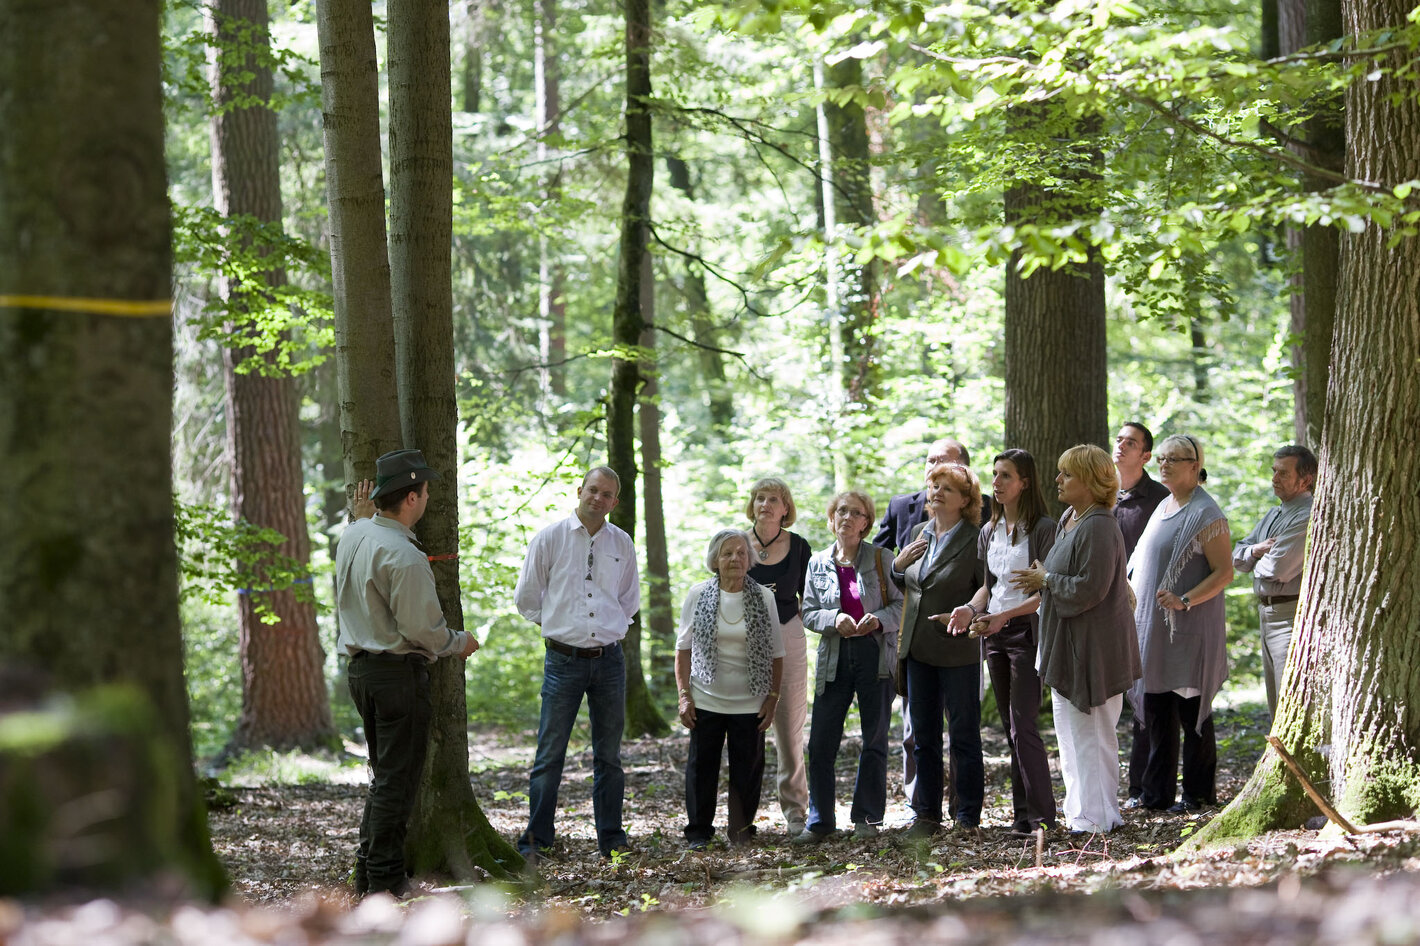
(856, 677)
(1138, 752)
(702, 774)
(953, 695)
(1010, 659)
(391, 694)
(1164, 715)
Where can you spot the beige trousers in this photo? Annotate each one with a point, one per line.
(789, 721)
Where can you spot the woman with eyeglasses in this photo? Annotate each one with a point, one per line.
(781, 564)
(852, 602)
(728, 664)
(1178, 571)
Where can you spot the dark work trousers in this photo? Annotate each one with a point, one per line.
(1165, 714)
(1010, 658)
(1138, 751)
(391, 693)
(702, 774)
(953, 694)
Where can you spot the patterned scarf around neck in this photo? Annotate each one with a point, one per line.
(704, 650)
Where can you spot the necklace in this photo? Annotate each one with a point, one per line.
(763, 545)
(1075, 516)
(839, 559)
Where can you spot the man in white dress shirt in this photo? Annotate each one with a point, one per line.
(580, 584)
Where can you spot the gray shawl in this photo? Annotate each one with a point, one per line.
(759, 642)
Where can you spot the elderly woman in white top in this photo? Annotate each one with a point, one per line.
(728, 665)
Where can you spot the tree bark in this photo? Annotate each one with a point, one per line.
(88, 568)
(853, 206)
(284, 699)
(628, 322)
(359, 260)
(659, 607)
(1056, 359)
(1350, 702)
(552, 305)
(448, 832)
(1314, 309)
(719, 398)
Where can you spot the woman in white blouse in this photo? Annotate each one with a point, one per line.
(728, 665)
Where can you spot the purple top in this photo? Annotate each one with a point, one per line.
(850, 601)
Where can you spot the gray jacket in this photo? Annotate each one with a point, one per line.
(821, 607)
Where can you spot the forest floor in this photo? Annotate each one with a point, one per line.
(288, 849)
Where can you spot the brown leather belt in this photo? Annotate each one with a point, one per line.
(587, 653)
(1269, 600)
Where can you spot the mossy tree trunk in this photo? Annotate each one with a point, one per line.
(1350, 706)
(284, 698)
(448, 832)
(628, 323)
(88, 567)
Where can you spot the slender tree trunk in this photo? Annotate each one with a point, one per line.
(659, 608)
(474, 36)
(853, 207)
(1056, 360)
(284, 699)
(628, 323)
(88, 569)
(359, 260)
(1350, 703)
(1321, 248)
(552, 307)
(697, 303)
(448, 832)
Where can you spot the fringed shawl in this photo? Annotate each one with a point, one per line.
(1203, 521)
(759, 636)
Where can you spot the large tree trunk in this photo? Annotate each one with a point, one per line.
(284, 699)
(1350, 703)
(88, 569)
(642, 717)
(359, 261)
(1056, 378)
(448, 832)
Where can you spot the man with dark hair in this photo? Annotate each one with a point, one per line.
(1274, 553)
(580, 584)
(392, 628)
(1139, 496)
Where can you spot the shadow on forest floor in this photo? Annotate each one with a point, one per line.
(289, 847)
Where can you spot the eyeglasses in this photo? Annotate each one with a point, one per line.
(1163, 460)
(843, 512)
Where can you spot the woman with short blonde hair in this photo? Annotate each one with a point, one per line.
(780, 562)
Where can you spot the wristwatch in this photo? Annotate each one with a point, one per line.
(1186, 604)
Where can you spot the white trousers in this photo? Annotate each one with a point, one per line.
(1089, 763)
(789, 718)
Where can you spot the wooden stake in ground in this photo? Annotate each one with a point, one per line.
(1331, 813)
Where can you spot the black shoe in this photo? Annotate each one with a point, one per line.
(697, 844)
(1185, 807)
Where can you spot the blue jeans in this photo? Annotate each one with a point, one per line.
(857, 676)
(954, 693)
(565, 680)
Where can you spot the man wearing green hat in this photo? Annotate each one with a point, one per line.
(392, 629)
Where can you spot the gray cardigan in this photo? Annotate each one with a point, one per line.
(1089, 651)
(821, 606)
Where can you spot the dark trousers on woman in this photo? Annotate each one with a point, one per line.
(702, 774)
(856, 675)
(1164, 715)
(953, 694)
(1010, 658)
(391, 693)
